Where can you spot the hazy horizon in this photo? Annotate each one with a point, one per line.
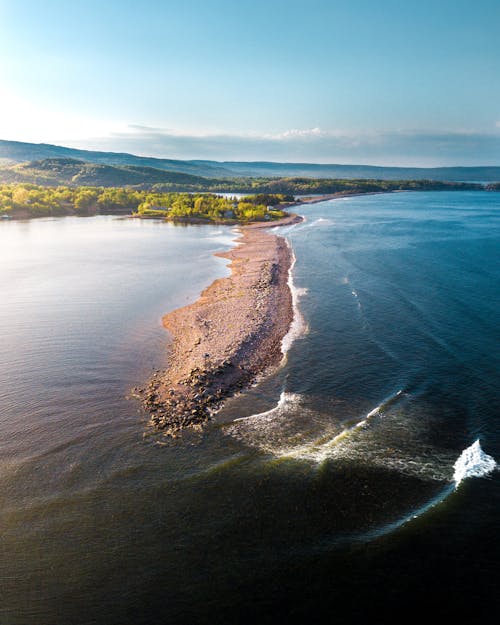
(350, 163)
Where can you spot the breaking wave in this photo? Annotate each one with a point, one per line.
(286, 400)
(473, 462)
(390, 436)
(276, 429)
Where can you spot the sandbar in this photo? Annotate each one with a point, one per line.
(222, 342)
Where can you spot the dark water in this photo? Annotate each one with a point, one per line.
(325, 494)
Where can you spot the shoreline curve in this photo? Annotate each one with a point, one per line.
(230, 335)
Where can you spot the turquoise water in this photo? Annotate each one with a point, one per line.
(327, 492)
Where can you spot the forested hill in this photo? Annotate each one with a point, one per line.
(18, 152)
(70, 172)
(75, 173)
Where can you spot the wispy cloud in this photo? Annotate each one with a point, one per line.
(295, 133)
(313, 145)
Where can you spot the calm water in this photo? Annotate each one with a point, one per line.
(324, 494)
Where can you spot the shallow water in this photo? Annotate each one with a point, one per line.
(329, 489)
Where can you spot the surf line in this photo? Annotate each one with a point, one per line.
(298, 327)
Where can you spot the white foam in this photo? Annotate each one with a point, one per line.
(383, 438)
(473, 462)
(319, 451)
(278, 436)
(286, 400)
(387, 402)
(298, 327)
(321, 221)
(373, 412)
(284, 230)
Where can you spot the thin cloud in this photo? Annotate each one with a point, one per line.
(296, 133)
(403, 147)
(145, 129)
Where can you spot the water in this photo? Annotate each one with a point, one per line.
(347, 486)
(473, 462)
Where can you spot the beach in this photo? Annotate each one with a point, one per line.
(229, 336)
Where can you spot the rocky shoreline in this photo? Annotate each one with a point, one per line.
(229, 336)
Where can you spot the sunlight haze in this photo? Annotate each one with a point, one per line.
(384, 83)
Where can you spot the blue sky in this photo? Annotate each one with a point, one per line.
(383, 82)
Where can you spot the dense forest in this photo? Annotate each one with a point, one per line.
(62, 186)
(74, 173)
(27, 200)
(311, 186)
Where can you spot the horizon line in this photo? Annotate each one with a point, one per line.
(272, 162)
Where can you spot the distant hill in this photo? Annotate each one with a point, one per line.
(17, 152)
(369, 172)
(70, 172)
(75, 173)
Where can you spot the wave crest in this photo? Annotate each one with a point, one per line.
(473, 462)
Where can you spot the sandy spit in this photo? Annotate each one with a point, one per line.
(230, 335)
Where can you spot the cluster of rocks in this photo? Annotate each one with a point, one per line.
(264, 284)
(267, 277)
(191, 400)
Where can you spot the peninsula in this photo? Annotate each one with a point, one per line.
(230, 335)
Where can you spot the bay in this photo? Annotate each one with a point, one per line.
(328, 489)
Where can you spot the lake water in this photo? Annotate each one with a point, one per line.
(337, 489)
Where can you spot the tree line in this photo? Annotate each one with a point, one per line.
(31, 200)
(28, 200)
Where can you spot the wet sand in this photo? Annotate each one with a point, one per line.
(229, 336)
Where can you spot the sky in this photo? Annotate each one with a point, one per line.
(333, 81)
